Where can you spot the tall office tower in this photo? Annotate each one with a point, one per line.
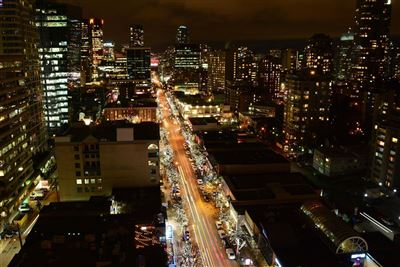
(59, 51)
(319, 54)
(138, 66)
(290, 60)
(96, 44)
(216, 71)
(269, 76)
(306, 109)
(23, 131)
(205, 51)
(108, 52)
(394, 61)
(246, 66)
(136, 35)
(343, 57)
(371, 37)
(182, 35)
(86, 53)
(187, 68)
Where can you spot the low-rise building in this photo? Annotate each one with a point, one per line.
(337, 161)
(203, 124)
(246, 158)
(92, 160)
(139, 110)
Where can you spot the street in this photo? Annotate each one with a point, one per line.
(202, 214)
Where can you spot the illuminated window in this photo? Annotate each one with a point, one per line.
(394, 140)
(381, 143)
(92, 181)
(79, 181)
(86, 181)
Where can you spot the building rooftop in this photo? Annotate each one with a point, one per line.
(196, 100)
(107, 131)
(202, 121)
(293, 240)
(242, 154)
(122, 102)
(84, 233)
(282, 187)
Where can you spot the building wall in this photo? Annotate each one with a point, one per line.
(95, 168)
(142, 113)
(385, 161)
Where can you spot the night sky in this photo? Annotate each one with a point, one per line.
(223, 20)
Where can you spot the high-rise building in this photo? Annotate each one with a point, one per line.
(344, 56)
(187, 68)
(385, 150)
(59, 51)
(290, 60)
(86, 53)
(306, 108)
(371, 37)
(96, 44)
(269, 76)
(182, 35)
(216, 71)
(246, 66)
(23, 131)
(319, 54)
(136, 35)
(138, 66)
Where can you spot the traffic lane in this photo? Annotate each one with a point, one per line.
(207, 226)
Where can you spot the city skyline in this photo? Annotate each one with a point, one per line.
(231, 21)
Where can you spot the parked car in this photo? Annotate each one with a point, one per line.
(218, 224)
(24, 207)
(230, 253)
(199, 181)
(221, 234)
(37, 195)
(186, 236)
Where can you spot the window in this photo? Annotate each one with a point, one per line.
(99, 181)
(99, 188)
(79, 189)
(86, 181)
(78, 173)
(86, 189)
(76, 148)
(153, 154)
(77, 156)
(152, 163)
(77, 165)
(93, 189)
(394, 140)
(92, 181)
(78, 181)
(153, 171)
(152, 146)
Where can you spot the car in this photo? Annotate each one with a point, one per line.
(186, 236)
(218, 224)
(221, 234)
(205, 198)
(37, 195)
(230, 253)
(24, 207)
(199, 181)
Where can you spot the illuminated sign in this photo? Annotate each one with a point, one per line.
(358, 256)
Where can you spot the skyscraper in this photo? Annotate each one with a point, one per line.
(343, 57)
(319, 54)
(23, 132)
(59, 51)
(96, 44)
(182, 36)
(136, 35)
(306, 109)
(216, 71)
(371, 37)
(138, 65)
(269, 76)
